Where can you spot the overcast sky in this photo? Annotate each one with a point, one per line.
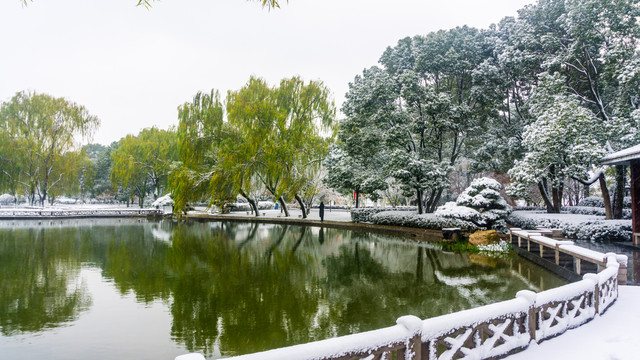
(132, 67)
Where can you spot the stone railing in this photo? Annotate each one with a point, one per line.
(565, 253)
(86, 213)
(488, 332)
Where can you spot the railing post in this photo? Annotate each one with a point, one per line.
(530, 297)
(596, 293)
(414, 345)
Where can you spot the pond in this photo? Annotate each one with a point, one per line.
(130, 288)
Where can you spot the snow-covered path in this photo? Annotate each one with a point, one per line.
(613, 336)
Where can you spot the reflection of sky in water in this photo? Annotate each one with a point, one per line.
(158, 289)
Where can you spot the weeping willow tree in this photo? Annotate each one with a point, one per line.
(199, 134)
(305, 131)
(140, 164)
(38, 132)
(266, 139)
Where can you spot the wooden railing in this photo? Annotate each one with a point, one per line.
(488, 332)
(45, 213)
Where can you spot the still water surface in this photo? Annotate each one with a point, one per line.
(127, 288)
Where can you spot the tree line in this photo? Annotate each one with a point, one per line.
(540, 98)
(41, 156)
(536, 100)
(262, 140)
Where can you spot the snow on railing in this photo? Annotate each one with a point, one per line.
(64, 213)
(488, 332)
(559, 251)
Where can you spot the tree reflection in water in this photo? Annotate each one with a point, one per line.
(40, 287)
(242, 287)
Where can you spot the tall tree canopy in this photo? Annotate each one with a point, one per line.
(39, 132)
(141, 164)
(269, 138)
(591, 46)
(412, 118)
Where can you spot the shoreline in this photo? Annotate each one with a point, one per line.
(416, 233)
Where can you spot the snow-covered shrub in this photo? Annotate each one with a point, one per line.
(587, 210)
(238, 206)
(481, 204)
(593, 230)
(364, 214)
(265, 205)
(501, 246)
(528, 208)
(522, 222)
(6, 199)
(424, 221)
(592, 201)
(599, 230)
(165, 200)
(65, 200)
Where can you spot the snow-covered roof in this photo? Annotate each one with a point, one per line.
(622, 157)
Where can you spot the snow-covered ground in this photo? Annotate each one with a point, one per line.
(613, 335)
(62, 207)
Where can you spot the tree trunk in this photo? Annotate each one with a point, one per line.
(556, 194)
(302, 207)
(297, 244)
(141, 201)
(605, 196)
(284, 206)
(545, 197)
(419, 196)
(618, 202)
(435, 201)
(252, 203)
(44, 195)
(357, 198)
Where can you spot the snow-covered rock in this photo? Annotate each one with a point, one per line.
(163, 201)
(6, 199)
(65, 200)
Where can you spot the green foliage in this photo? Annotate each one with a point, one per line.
(141, 164)
(564, 141)
(411, 119)
(39, 136)
(96, 179)
(273, 139)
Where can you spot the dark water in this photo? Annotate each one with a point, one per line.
(632, 253)
(125, 289)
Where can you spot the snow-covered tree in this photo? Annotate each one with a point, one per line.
(412, 118)
(562, 143)
(481, 204)
(593, 45)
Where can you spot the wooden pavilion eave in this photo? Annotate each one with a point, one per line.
(630, 157)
